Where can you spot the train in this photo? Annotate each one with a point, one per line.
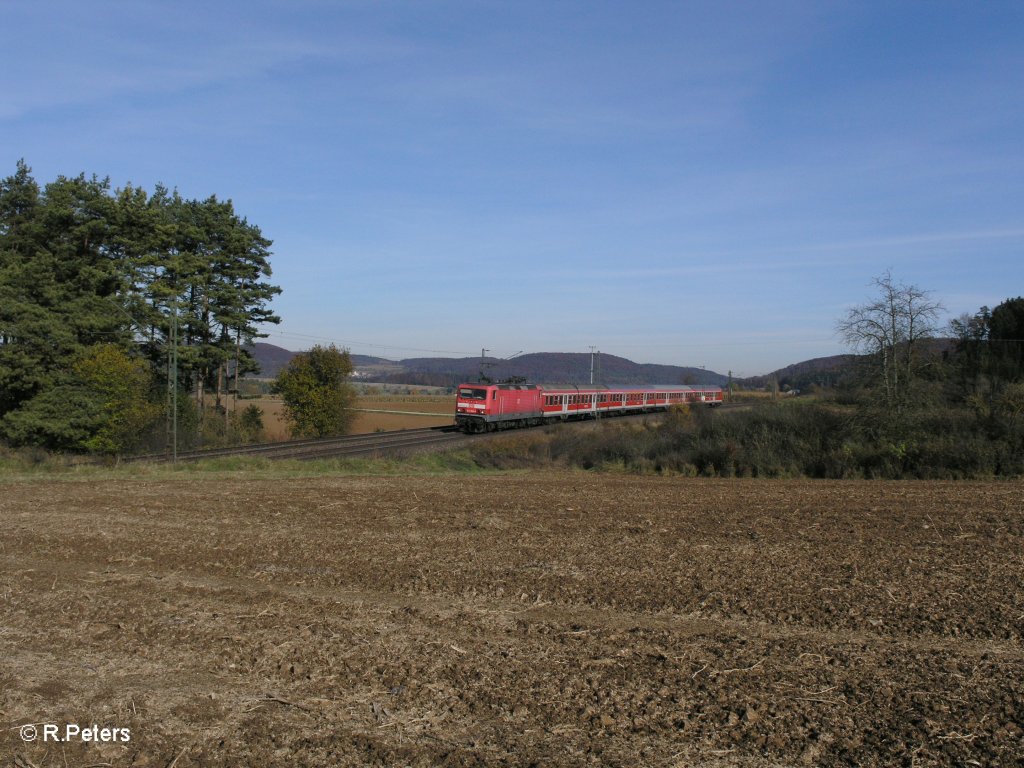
(489, 407)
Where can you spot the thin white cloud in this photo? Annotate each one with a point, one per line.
(123, 50)
(705, 263)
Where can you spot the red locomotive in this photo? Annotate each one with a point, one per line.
(488, 407)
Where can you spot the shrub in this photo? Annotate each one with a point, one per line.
(787, 439)
(518, 450)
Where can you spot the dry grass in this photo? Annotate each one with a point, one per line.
(443, 406)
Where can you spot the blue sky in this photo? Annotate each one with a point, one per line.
(677, 182)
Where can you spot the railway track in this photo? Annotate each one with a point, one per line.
(377, 443)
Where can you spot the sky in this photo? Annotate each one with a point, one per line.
(693, 183)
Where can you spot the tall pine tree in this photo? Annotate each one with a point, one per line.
(84, 270)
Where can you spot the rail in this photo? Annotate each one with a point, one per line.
(375, 443)
(324, 447)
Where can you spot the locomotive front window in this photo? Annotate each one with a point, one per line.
(473, 394)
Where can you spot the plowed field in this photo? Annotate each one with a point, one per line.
(556, 619)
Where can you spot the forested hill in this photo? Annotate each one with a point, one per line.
(535, 368)
(820, 371)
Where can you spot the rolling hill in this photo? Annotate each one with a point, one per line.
(535, 368)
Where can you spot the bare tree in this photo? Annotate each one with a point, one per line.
(890, 329)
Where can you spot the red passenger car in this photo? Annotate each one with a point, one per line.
(487, 407)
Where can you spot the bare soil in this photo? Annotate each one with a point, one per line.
(557, 619)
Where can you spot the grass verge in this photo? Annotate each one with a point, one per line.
(16, 466)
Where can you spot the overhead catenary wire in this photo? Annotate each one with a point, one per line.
(352, 343)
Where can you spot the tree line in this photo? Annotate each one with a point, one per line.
(907, 366)
(113, 301)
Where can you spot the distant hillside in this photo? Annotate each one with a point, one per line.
(570, 368)
(270, 358)
(535, 368)
(829, 371)
(549, 368)
(821, 371)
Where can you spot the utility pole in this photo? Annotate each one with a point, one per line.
(483, 353)
(172, 382)
(592, 348)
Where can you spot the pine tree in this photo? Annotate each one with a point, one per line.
(59, 284)
(83, 266)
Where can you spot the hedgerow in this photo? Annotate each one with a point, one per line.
(812, 439)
